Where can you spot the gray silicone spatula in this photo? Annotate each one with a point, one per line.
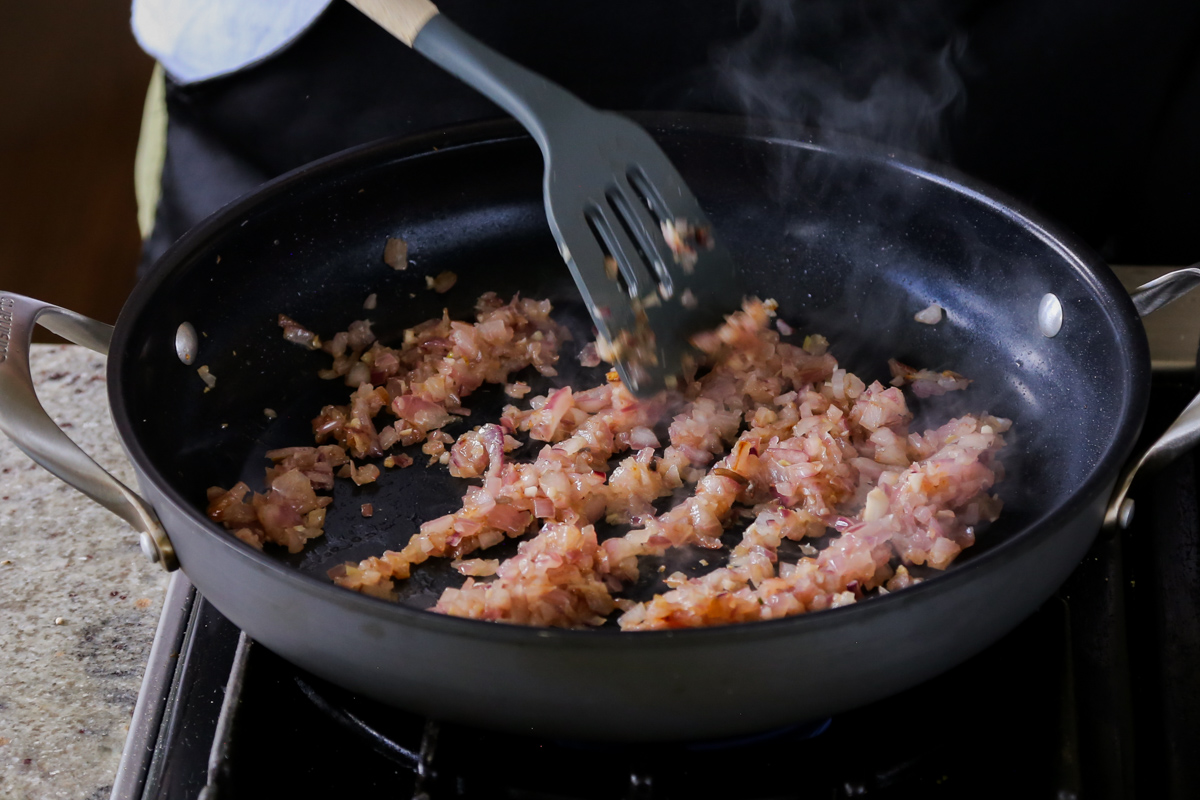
(638, 244)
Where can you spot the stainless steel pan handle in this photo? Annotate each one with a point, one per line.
(1165, 289)
(24, 420)
(1184, 432)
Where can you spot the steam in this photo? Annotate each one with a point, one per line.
(889, 73)
(885, 72)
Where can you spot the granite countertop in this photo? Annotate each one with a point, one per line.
(78, 602)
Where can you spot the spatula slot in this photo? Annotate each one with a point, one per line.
(614, 266)
(644, 189)
(648, 213)
(636, 227)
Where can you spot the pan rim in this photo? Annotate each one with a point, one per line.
(1095, 275)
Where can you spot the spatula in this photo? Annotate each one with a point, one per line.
(638, 244)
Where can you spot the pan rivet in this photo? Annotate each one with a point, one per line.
(1050, 316)
(1125, 513)
(186, 343)
(149, 549)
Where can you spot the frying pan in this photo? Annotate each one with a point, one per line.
(850, 240)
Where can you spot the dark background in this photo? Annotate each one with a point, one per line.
(1085, 109)
(72, 82)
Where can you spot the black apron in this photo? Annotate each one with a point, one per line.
(1086, 109)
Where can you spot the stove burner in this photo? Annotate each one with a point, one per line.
(391, 732)
(1009, 702)
(341, 713)
(809, 730)
(406, 741)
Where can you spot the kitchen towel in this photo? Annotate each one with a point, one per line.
(199, 39)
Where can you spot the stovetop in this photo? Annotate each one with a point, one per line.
(1093, 696)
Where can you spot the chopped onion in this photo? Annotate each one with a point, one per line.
(931, 315)
(443, 283)
(589, 356)
(395, 253)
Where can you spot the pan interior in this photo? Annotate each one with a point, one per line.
(850, 247)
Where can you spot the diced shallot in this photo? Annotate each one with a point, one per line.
(930, 315)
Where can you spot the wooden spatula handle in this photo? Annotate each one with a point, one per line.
(404, 19)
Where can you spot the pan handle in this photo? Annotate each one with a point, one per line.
(24, 420)
(1153, 295)
(1184, 432)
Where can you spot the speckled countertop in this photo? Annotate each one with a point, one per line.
(78, 602)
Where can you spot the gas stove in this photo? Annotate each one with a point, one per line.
(1092, 696)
